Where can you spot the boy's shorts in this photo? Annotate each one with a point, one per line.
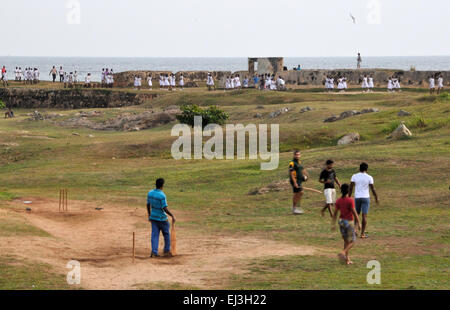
(330, 195)
(298, 189)
(362, 205)
(347, 229)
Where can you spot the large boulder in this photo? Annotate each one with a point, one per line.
(401, 132)
(349, 138)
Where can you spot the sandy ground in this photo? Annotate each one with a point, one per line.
(102, 242)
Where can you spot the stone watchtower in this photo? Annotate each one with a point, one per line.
(265, 65)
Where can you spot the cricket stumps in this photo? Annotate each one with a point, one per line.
(63, 203)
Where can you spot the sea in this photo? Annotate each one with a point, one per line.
(94, 65)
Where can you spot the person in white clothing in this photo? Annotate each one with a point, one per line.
(390, 85)
(432, 86)
(36, 76)
(362, 182)
(340, 84)
(210, 82)
(173, 82)
(331, 84)
(227, 83)
(149, 81)
(365, 84)
(181, 81)
(61, 74)
(397, 84)
(87, 81)
(237, 82)
(440, 84)
(327, 83)
(371, 84)
(161, 82)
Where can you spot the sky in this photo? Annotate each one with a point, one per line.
(230, 28)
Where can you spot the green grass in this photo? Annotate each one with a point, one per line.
(409, 229)
(23, 275)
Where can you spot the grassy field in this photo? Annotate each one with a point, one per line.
(409, 229)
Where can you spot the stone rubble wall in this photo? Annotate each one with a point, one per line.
(70, 99)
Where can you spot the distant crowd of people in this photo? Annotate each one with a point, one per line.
(31, 75)
(166, 82)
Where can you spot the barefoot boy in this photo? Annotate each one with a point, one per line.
(346, 207)
(328, 178)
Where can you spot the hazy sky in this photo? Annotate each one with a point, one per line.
(234, 28)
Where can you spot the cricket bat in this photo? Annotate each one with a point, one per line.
(312, 190)
(173, 240)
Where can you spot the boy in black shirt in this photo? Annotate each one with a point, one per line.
(328, 178)
(297, 175)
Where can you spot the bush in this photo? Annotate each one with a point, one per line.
(2, 105)
(211, 115)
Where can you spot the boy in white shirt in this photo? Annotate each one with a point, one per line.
(361, 182)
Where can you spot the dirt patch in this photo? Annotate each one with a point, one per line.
(277, 186)
(102, 242)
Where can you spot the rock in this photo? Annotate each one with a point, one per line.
(278, 112)
(403, 113)
(401, 132)
(350, 113)
(257, 115)
(90, 136)
(306, 109)
(349, 138)
(28, 209)
(371, 110)
(75, 134)
(331, 119)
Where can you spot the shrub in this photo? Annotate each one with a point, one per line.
(2, 105)
(211, 115)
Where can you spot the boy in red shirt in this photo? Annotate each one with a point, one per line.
(346, 207)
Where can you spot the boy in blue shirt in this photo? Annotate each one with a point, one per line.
(157, 214)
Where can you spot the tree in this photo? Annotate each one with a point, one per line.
(211, 115)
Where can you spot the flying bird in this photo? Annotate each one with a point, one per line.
(353, 18)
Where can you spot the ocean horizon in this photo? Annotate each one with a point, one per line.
(94, 65)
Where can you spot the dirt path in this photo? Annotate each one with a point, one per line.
(102, 240)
